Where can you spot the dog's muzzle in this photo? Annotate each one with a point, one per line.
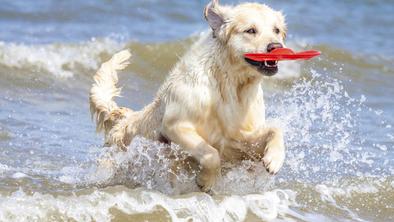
(267, 68)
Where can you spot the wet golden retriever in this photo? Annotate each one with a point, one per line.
(212, 102)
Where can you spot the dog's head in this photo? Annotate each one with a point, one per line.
(247, 28)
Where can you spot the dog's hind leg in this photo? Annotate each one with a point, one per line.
(129, 123)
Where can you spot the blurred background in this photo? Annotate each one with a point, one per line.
(337, 111)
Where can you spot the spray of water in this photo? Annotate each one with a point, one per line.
(321, 123)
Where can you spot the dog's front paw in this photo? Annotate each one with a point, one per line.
(274, 157)
(205, 186)
(209, 171)
(206, 179)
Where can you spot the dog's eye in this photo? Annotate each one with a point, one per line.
(276, 30)
(251, 31)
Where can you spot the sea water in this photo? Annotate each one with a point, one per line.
(336, 111)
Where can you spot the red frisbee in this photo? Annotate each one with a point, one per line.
(282, 54)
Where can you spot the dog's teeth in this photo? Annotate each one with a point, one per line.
(268, 65)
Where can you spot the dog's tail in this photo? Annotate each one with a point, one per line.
(103, 91)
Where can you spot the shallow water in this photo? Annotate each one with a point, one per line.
(337, 113)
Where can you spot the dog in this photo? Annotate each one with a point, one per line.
(211, 103)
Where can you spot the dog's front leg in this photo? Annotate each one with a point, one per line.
(185, 135)
(269, 144)
(266, 144)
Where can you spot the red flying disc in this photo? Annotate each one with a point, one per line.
(282, 54)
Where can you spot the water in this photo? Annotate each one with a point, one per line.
(337, 113)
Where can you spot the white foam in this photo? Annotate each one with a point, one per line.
(329, 194)
(96, 206)
(19, 175)
(57, 59)
(347, 190)
(3, 168)
(271, 204)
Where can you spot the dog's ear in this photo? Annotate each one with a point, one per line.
(214, 15)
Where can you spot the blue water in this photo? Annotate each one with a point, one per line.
(337, 111)
(363, 26)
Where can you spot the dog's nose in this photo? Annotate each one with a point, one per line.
(273, 46)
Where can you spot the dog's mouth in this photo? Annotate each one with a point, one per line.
(267, 68)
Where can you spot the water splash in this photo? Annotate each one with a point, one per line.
(147, 164)
(322, 133)
(323, 130)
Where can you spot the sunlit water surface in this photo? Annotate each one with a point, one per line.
(337, 113)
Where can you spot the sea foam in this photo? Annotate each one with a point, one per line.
(57, 59)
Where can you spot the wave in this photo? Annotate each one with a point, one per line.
(57, 59)
(118, 203)
(150, 60)
(339, 57)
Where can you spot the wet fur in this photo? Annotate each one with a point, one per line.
(211, 103)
